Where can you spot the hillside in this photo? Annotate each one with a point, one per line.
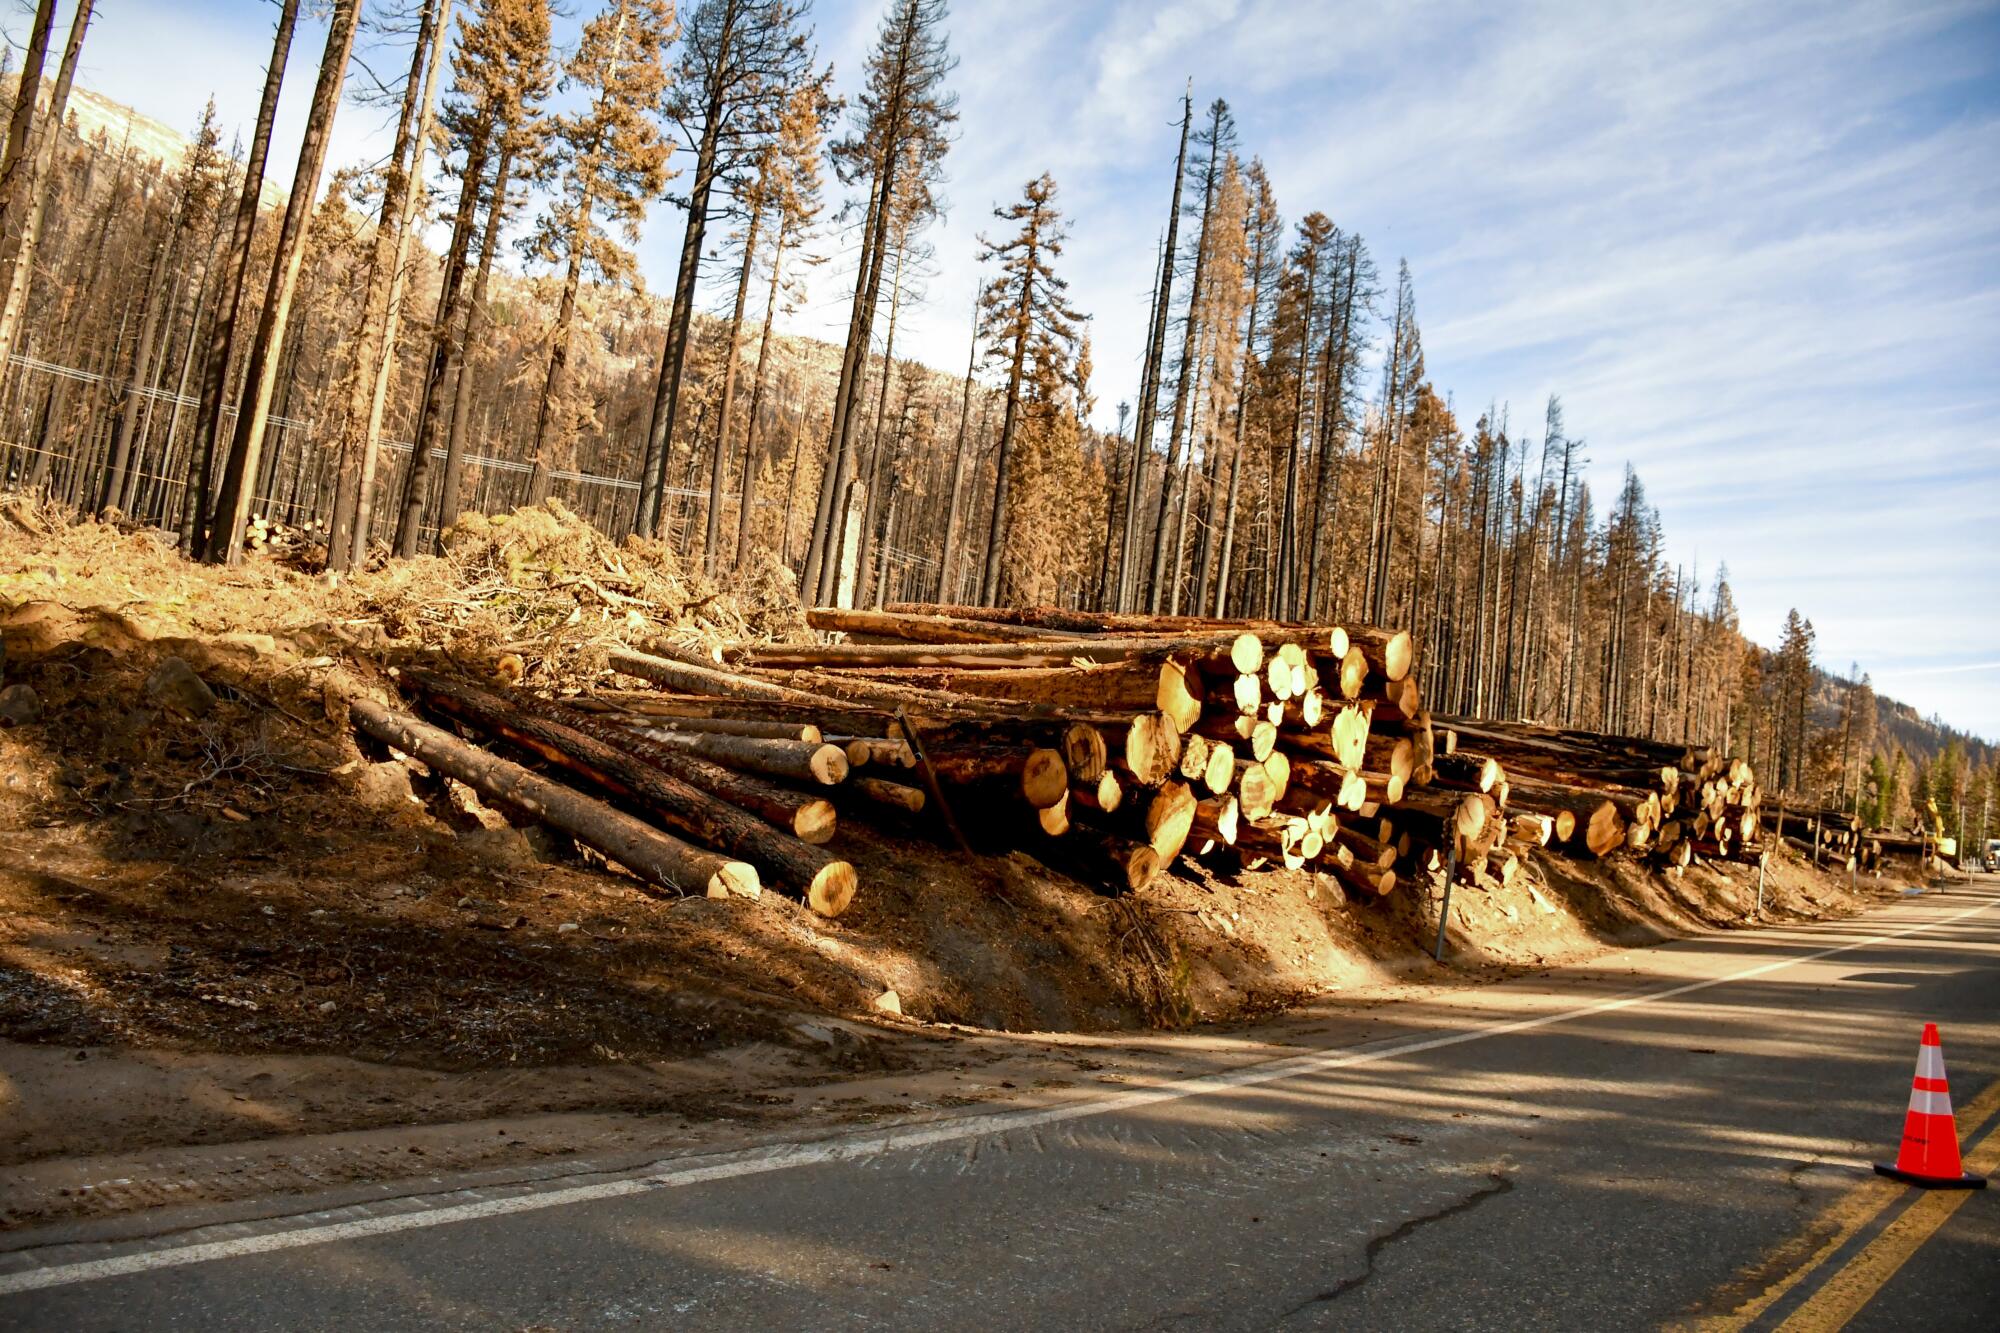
(1897, 725)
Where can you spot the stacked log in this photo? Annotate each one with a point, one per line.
(1108, 745)
(1111, 745)
(1599, 795)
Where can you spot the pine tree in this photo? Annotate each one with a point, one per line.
(19, 243)
(905, 119)
(382, 307)
(1029, 327)
(793, 188)
(239, 469)
(739, 62)
(501, 72)
(606, 160)
(229, 298)
(1212, 147)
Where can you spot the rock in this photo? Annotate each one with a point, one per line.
(500, 846)
(385, 785)
(19, 706)
(889, 1002)
(174, 685)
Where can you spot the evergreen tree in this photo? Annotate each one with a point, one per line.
(605, 160)
(898, 148)
(739, 62)
(1029, 328)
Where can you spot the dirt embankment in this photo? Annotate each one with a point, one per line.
(222, 921)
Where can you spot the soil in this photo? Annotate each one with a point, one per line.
(241, 955)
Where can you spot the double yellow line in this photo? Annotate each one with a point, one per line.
(1849, 1289)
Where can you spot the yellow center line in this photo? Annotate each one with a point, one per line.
(1844, 1219)
(1844, 1294)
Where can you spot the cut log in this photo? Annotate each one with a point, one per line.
(1104, 795)
(824, 881)
(1152, 749)
(923, 628)
(797, 760)
(655, 857)
(697, 679)
(1055, 818)
(722, 726)
(1169, 820)
(808, 818)
(1084, 751)
(879, 791)
(1038, 774)
(833, 716)
(1220, 770)
(1467, 771)
(1217, 818)
(1102, 859)
(1194, 757)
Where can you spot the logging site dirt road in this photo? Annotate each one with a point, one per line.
(1677, 1135)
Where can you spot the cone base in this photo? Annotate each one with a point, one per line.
(1932, 1182)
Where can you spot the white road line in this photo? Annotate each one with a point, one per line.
(784, 1156)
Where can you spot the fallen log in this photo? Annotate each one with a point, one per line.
(824, 881)
(808, 818)
(799, 761)
(657, 858)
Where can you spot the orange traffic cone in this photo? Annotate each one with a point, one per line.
(1929, 1155)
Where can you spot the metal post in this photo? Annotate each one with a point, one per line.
(1760, 882)
(1444, 911)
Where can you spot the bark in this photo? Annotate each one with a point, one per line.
(655, 857)
(232, 505)
(825, 882)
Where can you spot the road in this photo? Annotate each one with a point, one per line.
(1676, 1135)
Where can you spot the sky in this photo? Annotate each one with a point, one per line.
(1755, 248)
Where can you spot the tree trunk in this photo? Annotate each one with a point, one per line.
(655, 857)
(229, 301)
(719, 465)
(18, 265)
(825, 882)
(232, 504)
(447, 342)
(1149, 391)
(461, 405)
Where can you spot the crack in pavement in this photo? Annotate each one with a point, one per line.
(1501, 1184)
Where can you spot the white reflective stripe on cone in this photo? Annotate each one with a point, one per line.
(1930, 1103)
(1930, 1062)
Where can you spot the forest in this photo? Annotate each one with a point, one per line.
(463, 328)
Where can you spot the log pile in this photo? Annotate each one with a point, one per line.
(1597, 794)
(1107, 745)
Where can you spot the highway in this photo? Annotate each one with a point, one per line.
(1678, 1135)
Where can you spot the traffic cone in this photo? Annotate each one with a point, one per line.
(1929, 1155)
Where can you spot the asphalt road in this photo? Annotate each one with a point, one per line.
(1670, 1135)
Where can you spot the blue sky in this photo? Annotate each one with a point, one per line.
(1756, 248)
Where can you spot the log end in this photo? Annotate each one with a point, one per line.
(1246, 653)
(829, 764)
(832, 889)
(735, 879)
(1044, 778)
(814, 821)
(1397, 655)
